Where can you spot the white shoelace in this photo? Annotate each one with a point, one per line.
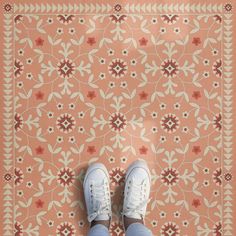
(99, 207)
(137, 200)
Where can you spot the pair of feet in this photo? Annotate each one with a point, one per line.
(136, 194)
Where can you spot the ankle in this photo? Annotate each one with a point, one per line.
(101, 222)
(128, 221)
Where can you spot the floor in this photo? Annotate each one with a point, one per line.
(113, 83)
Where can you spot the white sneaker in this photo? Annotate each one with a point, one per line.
(137, 190)
(97, 193)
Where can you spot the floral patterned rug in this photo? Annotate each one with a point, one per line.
(112, 82)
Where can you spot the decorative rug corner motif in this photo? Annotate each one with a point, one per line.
(85, 82)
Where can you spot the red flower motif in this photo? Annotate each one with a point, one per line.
(39, 95)
(170, 228)
(217, 176)
(217, 68)
(117, 122)
(39, 41)
(196, 41)
(18, 68)
(39, 150)
(169, 176)
(196, 94)
(39, 203)
(170, 19)
(66, 68)
(170, 123)
(65, 176)
(170, 68)
(217, 18)
(196, 203)
(66, 123)
(217, 122)
(117, 176)
(91, 41)
(118, 18)
(117, 229)
(18, 18)
(143, 95)
(143, 41)
(196, 149)
(65, 19)
(18, 229)
(65, 228)
(19, 176)
(117, 68)
(143, 150)
(18, 121)
(91, 149)
(91, 95)
(218, 229)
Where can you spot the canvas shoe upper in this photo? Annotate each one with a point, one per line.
(137, 190)
(97, 193)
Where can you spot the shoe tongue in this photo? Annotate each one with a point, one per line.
(102, 217)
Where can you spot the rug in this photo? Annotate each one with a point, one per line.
(112, 82)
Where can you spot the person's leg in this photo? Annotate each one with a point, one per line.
(98, 230)
(136, 197)
(97, 199)
(138, 229)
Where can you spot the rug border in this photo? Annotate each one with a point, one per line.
(7, 127)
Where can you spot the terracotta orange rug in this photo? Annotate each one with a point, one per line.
(111, 82)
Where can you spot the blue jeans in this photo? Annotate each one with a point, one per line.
(135, 229)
